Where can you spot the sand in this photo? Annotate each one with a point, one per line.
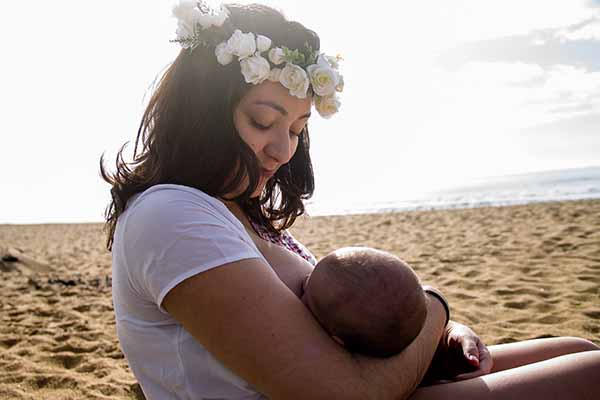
(511, 273)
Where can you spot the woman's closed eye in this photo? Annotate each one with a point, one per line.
(267, 127)
(260, 126)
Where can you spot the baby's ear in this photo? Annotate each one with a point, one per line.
(337, 339)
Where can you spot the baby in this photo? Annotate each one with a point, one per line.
(368, 300)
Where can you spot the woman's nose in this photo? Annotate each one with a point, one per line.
(279, 148)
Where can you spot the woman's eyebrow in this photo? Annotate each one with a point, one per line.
(279, 108)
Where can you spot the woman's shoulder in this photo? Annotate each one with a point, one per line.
(169, 210)
(170, 201)
(163, 194)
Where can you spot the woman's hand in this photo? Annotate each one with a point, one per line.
(460, 355)
(462, 338)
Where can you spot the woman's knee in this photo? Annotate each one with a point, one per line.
(576, 345)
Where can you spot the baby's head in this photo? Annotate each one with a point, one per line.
(368, 299)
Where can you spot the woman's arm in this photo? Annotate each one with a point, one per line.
(249, 320)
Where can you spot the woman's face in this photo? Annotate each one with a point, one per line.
(270, 120)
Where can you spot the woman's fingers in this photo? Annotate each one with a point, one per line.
(485, 358)
(485, 364)
(471, 349)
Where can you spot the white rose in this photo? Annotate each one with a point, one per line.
(275, 74)
(323, 60)
(223, 54)
(242, 44)
(295, 79)
(186, 10)
(334, 61)
(276, 55)
(187, 14)
(327, 106)
(262, 43)
(323, 78)
(213, 17)
(184, 31)
(255, 69)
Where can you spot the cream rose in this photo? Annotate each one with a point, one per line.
(242, 44)
(323, 78)
(276, 55)
(262, 43)
(329, 61)
(327, 106)
(223, 54)
(213, 17)
(187, 14)
(255, 69)
(295, 79)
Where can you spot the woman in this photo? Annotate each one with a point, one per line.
(206, 279)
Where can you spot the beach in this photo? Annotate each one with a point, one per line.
(510, 273)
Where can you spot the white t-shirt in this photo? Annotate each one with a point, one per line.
(167, 234)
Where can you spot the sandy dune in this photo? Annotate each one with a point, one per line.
(511, 273)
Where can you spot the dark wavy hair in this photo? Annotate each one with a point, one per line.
(187, 135)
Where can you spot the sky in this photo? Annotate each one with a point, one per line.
(437, 93)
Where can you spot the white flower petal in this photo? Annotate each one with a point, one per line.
(242, 44)
(262, 43)
(255, 69)
(327, 106)
(295, 79)
(224, 56)
(323, 79)
(276, 55)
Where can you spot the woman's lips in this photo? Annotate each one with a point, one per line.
(268, 172)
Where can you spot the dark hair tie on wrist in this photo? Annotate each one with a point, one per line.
(438, 295)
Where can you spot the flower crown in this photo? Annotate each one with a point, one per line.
(299, 70)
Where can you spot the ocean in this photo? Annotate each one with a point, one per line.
(568, 184)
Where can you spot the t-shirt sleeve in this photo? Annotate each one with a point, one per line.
(170, 237)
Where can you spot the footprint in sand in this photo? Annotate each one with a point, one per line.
(472, 273)
(74, 349)
(9, 342)
(104, 389)
(83, 308)
(51, 382)
(519, 305)
(463, 296)
(589, 278)
(550, 320)
(504, 292)
(65, 360)
(594, 329)
(595, 314)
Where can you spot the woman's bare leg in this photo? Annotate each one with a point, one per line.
(512, 355)
(571, 376)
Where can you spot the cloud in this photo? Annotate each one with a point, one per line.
(587, 30)
(515, 94)
(582, 125)
(573, 140)
(577, 44)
